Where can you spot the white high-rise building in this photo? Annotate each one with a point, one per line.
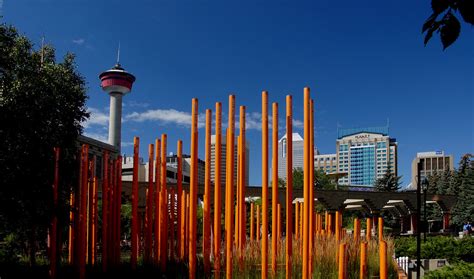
(223, 159)
(298, 147)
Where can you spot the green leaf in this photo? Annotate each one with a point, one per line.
(439, 6)
(466, 9)
(449, 30)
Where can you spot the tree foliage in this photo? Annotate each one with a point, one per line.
(460, 183)
(443, 20)
(389, 182)
(42, 105)
(321, 180)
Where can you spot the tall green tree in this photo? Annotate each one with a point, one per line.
(464, 209)
(42, 105)
(321, 180)
(389, 182)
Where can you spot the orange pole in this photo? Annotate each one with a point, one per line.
(338, 225)
(274, 184)
(363, 260)
(257, 225)
(54, 221)
(278, 225)
(206, 245)
(368, 232)
(356, 229)
(134, 236)
(251, 223)
(289, 185)
(181, 201)
(236, 226)
(187, 223)
(237, 203)
(156, 250)
(182, 227)
(297, 217)
(149, 205)
(217, 189)
(326, 221)
(242, 180)
(383, 259)
(193, 191)
(164, 207)
(306, 184)
(230, 185)
(264, 184)
(311, 187)
(380, 227)
(342, 274)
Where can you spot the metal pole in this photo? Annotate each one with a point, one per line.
(289, 185)
(425, 189)
(193, 190)
(418, 221)
(264, 183)
(274, 184)
(217, 190)
(133, 260)
(206, 247)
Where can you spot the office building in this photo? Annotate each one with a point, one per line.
(171, 169)
(326, 163)
(431, 163)
(223, 159)
(365, 154)
(298, 147)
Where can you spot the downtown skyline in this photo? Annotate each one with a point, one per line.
(193, 50)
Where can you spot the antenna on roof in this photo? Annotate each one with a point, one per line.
(388, 125)
(118, 54)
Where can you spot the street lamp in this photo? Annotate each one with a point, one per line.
(424, 186)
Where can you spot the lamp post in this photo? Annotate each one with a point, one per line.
(418, 211)
(424, 185)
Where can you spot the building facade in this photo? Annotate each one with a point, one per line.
(365, 154)
(431, 163)
(298, 147)
(326, 163)
(171, 169)
(223, 159)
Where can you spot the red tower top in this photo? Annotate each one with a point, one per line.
(116, 80)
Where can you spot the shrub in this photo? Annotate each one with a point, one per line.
(459, 270)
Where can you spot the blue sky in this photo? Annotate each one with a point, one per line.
(364, 61)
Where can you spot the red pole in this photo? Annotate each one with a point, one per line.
(157, 201)
(230, 185)
(164, 207)
(243, 180)
(90, 197)
(134, 236)
(118, 197)
(289, 184)
(94, 221)
(54, 221)
(105, 195)
(179, 196)
(83, 212)
(149, 205)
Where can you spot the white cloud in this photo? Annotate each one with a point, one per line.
(79, 41)
(97, 118)
(166, 116)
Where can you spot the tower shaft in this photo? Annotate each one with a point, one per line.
(115, 120)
